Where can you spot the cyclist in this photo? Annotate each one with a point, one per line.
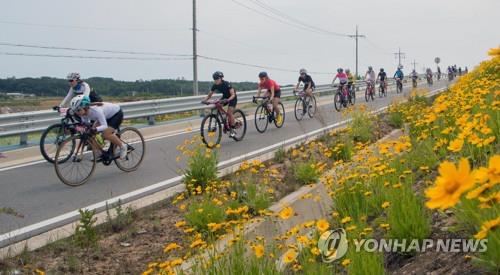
(370, 76)
(77, 87)
(228, 96)
(399, 73)
(273, 91)
(350, 79)
(107, 116)
(342, 79)
(308, 82)
(414, 78)
(382, 77)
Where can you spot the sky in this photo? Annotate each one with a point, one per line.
(458, 31)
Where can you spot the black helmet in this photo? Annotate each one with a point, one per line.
(381, 69)
(339, 70)
(218, 75)
(262, 74)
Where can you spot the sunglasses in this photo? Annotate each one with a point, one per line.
(71, 81)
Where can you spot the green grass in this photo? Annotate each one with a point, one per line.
(305, 173)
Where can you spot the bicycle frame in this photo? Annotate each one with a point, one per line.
(218, 110)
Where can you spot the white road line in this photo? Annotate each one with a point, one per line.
(125, 197)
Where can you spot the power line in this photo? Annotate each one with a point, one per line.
(254, 65)
(274, 18)
(86, 50)
(95, 57)
(290, 18)
(90, 27)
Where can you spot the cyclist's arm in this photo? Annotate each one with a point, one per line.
(100, 120)
(233, 94)
(66, 99)
(335, 78)
(86, 91)
(209, 95)
(259, 90)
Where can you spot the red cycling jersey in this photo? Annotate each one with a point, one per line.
(269, 84)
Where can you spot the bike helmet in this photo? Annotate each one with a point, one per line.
(370, 68)
(347, 71)
(303, 71)
(73, 76)
(262, 74)
(339, 70)
(382, 69)
(79, 101)
(217, 75)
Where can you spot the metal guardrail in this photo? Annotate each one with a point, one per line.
(23, 123)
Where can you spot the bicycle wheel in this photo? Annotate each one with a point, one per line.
(312, 107)
(282, 112)
(136, 149)
(80, 164)
(337, 102)
(372, 93)
(300, 108)
(211, 130)
(380, 91)
(261, 120)
(240, 125)
(367, 94)
(50, 139)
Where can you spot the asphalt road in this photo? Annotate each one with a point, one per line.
(35, 191)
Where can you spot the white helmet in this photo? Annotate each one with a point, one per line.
(303, 71)
(73, 76)
(79, 101)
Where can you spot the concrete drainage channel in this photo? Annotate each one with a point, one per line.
(43, 233)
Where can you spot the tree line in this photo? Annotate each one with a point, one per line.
(49, 86)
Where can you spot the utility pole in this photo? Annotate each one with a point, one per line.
(356, 36)
(195, 52)
(414, 65)
(399, 55)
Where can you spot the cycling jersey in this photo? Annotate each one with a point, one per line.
(370, 76)
(350, 78)
(269, 84)
(223, 88)
(102, 114)
(399, 74)
(382, 76)
(306, 80)
(342, 77)
(81, 88)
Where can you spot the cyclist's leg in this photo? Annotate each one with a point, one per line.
(276, 101)
(114, 124)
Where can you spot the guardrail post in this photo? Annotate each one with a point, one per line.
(23, 139)
(151, 120)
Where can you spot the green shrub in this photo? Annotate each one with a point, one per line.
(306, 173)
(202, 169)
(201, 213)
(396, 119)
(85, 232)
(122, 219)
(342, 150)
(361, 126)
(279, 156)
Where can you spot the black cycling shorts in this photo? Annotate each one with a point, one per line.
(116, 120)
(232, 102)
(277, 93)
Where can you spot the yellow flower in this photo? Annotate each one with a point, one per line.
(322, 225)
(386, 204)
(346, 262)
(197, 242)
(259, 250)
(303, 239)
(180, 224)
(214, 226)
(286, 213)
(350, 228)
(456, 145)
(315, 251)
(346, 220)
(171, 247)
(176, 262)
(289, 256)
(450, 185)
(384, 226)
(486, 227)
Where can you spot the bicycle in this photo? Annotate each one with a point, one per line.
(399, 85)
(56, 133)
(342, 97)
(429, 79)
(264, 114)
(81, 163)
(382, 92)
(216, 122)
(304, 104)
(352, 94)
(369, 91)
(414, 82)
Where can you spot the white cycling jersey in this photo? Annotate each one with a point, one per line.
(370, 76)
(101, 113)
(80, 89)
